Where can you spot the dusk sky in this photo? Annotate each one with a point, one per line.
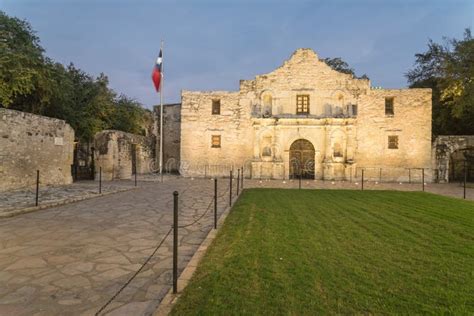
(211, 45)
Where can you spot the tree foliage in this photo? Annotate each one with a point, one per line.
(448, 69)
(31, 82)
(340, 65)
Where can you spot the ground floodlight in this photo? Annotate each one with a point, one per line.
(357, 183)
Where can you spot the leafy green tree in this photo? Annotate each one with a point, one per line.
(22, 70)
(448, 69)
(340, 65)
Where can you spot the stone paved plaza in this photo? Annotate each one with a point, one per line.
(71, 259)
(15, 201)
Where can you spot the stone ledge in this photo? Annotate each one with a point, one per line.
(166, 305)
(14, 212)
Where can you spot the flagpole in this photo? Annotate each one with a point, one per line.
(161, 114)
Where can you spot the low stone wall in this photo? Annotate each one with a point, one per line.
(31, 142)
(118, 153)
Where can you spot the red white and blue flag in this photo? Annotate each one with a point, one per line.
(156, 74)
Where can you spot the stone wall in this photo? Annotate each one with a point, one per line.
(233, 125)
(115, 154)
(171, 136)
(31, 142)
(411, 123)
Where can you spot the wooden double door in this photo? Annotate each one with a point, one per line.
(302, 160)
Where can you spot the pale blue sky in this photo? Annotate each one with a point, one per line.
(211, 45)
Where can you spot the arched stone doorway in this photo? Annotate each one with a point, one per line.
(301, 159)
(460, 159)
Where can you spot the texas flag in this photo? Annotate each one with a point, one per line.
(156, 74)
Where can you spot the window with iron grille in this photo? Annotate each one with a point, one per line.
(393, 142)
(216, 107)
(302, 104)
(389, 106)
(216, 141)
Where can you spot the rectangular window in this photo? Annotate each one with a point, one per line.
(216, 107)
(393, 142)
(389, 106)
(302, 104)
(216, 141)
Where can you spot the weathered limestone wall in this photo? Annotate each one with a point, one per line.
(31, 142)
(171, 136)
(198, 125)
(443, 148)
(115, 154)
(411, 122)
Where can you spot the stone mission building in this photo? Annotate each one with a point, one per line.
(304, 118)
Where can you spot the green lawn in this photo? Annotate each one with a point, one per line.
(302, 252)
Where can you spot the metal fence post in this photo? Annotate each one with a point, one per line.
(37, 187)
(465, 178)
(100, 180)
(135, 173)
(409, 175)
(350, 176)
(362, 182)
(238, 181)
(423, 178)
(175, 242)
(215, 203)
(242, 184)
(230, 191)
(380, 175)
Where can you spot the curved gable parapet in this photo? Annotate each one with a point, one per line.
(304, 70)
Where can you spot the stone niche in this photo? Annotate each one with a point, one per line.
(30, 142)
(119, 154)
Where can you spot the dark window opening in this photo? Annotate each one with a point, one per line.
(216, 107)
(389, 106)
(393, 142)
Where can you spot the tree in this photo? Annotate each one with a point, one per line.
(448, 69)
(22, 70)
(340, 65)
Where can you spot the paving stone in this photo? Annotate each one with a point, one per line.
(27, 263)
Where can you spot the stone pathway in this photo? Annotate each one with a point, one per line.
(24, 199)
(71, 259)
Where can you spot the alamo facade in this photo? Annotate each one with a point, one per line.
(306, 119)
